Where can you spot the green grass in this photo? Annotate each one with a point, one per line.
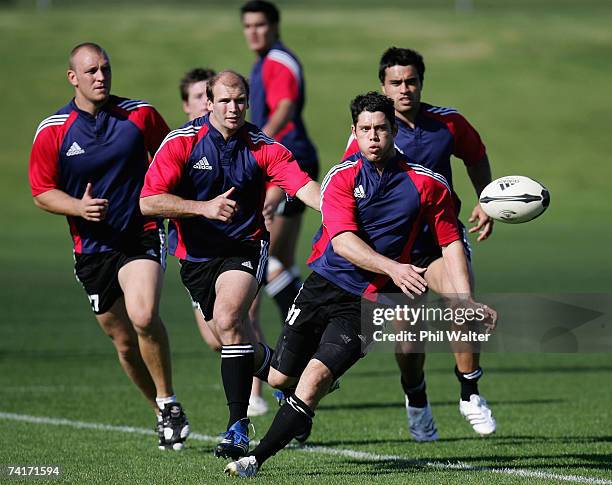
(533, 79)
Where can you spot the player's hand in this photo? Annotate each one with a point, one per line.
(407, 278)
(274, 196)
(90, 208)
(221, 208)
(490, 316)
(484, 224)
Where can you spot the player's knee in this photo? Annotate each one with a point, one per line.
(143, 319)
(227, 322)
(279, 380)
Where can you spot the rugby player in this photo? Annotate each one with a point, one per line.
(209, 178)
(88, 163)
(195, 104)
(430, 135)
(277, 100)
(371, 205)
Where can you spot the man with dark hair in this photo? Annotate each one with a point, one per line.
(277, 100)
(430, 135)
(193, 92)
(371, 204)
(209, 178)
(88, 163)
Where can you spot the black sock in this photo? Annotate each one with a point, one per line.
(469, 382)
(417, 395)
(264, 368)
(284, 288)
(237, 375)
(290, 420)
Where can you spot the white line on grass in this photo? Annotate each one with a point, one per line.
(357, 455)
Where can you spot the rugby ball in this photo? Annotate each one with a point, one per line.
(514, 199)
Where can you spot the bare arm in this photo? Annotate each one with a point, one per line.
(310, 194)
(354, 249)
(455, 264)
(480, 176)
(171, 206)
(59, 202)
(282, 115)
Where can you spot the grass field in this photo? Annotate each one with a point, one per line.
(534, 78)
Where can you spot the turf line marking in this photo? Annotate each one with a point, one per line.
(357, 455)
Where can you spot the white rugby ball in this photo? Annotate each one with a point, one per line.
(514, 199)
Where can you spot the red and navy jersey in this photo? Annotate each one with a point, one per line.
(278, 75)
(196, 163)
(438, 133)
(111, 150)
(385, 210)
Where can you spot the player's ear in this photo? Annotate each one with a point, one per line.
(72, 79)
(209, 105)
(353, 130)
(186, 107)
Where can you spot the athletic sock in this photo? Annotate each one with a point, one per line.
(290, 420)
(264, 368)
(237, 376)
(417, 395)
(162, 401)
(469, 382)
(284, 288)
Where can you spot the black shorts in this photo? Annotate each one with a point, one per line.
(294, 206)
(200, 277)
(426, 249)
(324, 323)
(98, 272)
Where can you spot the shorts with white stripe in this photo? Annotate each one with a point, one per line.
(200, 277)
(98, 272)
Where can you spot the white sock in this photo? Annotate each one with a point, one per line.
(162, 401)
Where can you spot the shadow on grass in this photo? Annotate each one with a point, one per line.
(400, 404)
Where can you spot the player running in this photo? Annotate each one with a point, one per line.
(88, 163)
(371, 204)
(209, 178)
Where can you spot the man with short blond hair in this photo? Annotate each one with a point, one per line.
(88, 163)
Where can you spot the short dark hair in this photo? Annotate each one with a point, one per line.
(213, 80)
(396, 56)
(85, 45)
(372, 102)
(261, 6)
(194, 76)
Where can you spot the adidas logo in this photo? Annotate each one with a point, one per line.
(359, 192)
(507, 183)
(203, 164)
(247, 264)
(74, 149)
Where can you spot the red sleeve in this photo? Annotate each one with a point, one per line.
(279, 165)
(338, 208)
(152, 126)
(279, 82)
(43, 170)
(438, 207)
(468, 145)
(166, 169)
(351, 147)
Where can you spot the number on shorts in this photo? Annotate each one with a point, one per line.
(95, 302)
(292, 315)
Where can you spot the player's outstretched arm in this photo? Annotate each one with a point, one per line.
(171, 206)
(59, 202)
(406, 276)
(457, 271)
(480, 176)
(310, 194)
